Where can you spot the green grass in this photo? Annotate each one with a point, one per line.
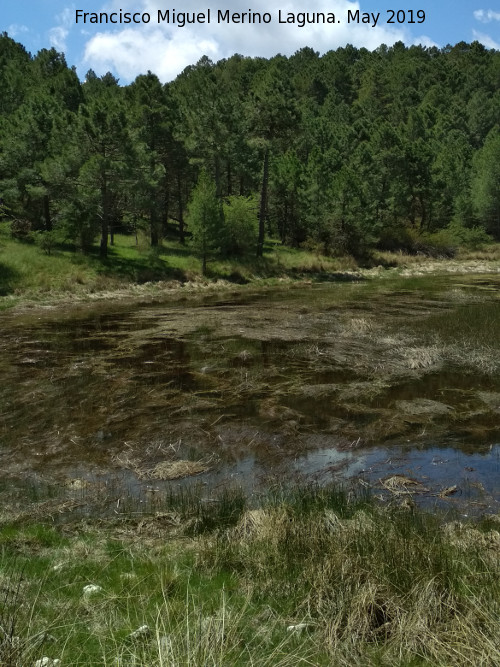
(27, 270)
(371, 586)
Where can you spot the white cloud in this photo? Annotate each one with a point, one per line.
(58, 34)
(424, 41)
(131, 52)
(15, 30)
(486, 40)
(167, 49)
(57, 37)
(66, 16)
(486, 15)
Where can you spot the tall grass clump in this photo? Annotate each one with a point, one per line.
(303, 576)
(378, 587)
(201, 515)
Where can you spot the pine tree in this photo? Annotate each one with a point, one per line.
(205, 219)
(486, 183)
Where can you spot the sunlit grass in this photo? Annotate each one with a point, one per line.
(26, 268)
(477, 322)
(484, 251)
(308, 576)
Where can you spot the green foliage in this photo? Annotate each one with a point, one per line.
(47, 241)
(79, 221)
(347, 152)
(240, 225)
(442, 243)
(21, 230)
(205, 219)
(307, 575)
(457, 235)
(486, 183)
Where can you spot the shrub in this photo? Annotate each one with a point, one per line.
(21, 229)
(47, 241)
(240, 225)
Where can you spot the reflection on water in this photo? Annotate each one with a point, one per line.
(313, 383)
(475, 474)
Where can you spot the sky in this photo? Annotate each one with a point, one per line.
(166, 48)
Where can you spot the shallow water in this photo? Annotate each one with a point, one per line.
(335, 381)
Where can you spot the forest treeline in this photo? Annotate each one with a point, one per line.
(341, 153)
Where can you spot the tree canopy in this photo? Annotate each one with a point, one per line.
(347, 151)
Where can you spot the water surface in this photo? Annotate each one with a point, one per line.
(338, 381)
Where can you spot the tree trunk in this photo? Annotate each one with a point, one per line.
(263, 204)
(217, 177)
(229, 179)
(182, 237)
(165, 211)
(103, 250)
(154, 230)
(283, 224)
(46, 213)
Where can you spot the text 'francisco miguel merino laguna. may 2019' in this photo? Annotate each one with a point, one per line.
(225, 16)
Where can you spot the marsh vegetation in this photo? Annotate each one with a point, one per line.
(222, 427)
(250, 472)
(253, 383)
(310, 576)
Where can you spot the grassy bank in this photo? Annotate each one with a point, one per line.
(28, 272)
(310, 577)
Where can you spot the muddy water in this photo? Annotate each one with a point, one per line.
(338, 381)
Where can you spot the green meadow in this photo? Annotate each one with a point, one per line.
(309, 576)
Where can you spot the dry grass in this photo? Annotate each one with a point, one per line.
(422, 357)
(377, 590)
(399, 484)
(146, 465)
(309, 578)
(483, 260)
(177, 469)
(490, 252)
(358, 326)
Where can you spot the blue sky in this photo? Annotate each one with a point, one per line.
(166, 49)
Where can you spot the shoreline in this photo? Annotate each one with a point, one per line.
(154, 290)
